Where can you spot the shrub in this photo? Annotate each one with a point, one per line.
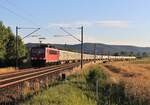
(95, 74)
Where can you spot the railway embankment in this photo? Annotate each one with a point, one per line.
(90, 86)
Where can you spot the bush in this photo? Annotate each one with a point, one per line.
(95, 74)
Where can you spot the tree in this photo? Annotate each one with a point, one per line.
(116, 54)
(144, 54)
(8, 47)
(2, 41)
(10, 50)
(22, 50)
(123, 53)
(131, 53)
(138, 54)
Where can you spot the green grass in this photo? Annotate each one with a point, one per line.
(72, 91)
(62, 94)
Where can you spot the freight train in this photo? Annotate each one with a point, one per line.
(42, 55)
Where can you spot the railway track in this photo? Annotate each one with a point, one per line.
(20, 76)
(27, 71)
(12, 85)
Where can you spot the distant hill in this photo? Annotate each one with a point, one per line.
(100, 48)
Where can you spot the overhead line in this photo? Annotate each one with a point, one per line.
(31, 33)
(69, 34)
(16, 6)
(22, 17)
(29, 20)
(16, 14)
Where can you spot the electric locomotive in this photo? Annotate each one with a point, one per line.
(42, 55)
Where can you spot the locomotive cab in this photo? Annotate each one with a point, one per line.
(38, 56)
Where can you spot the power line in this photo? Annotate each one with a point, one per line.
(24, 11)
(26, 19)
(20, 16)
(27, 13)
(70, 34)
(31, 32)
(16, 14)
(17, 7)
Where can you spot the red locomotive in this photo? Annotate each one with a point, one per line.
(42, 55)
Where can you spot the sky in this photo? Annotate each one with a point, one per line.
(119, 22)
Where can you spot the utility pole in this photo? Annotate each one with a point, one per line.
(65, 46)
(108, 55)
(94, 52)
(97, 97)
(81, 47)
(102, 53)
(17, 47)
(80, 40)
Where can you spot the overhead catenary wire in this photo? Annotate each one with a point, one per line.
(18, 7)
(69, 34)
(31, 33)
(16, 14)
(24, 18)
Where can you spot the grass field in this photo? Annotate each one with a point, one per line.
(134, 74)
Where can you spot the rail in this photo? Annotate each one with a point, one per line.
(12, 84)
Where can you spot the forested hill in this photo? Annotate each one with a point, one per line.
(103, 48)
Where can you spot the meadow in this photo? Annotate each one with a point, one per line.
(79, 88)
(134, 74)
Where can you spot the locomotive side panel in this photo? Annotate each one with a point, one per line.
(51, 55)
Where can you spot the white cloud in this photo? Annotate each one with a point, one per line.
(113, 24)
(72, 24)
(105, 24)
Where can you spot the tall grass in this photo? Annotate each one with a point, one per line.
(62, 94)
(80, 89)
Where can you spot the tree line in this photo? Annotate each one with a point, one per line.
(137, 54)
(8, 47)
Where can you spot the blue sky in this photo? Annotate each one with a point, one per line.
(125, 22)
